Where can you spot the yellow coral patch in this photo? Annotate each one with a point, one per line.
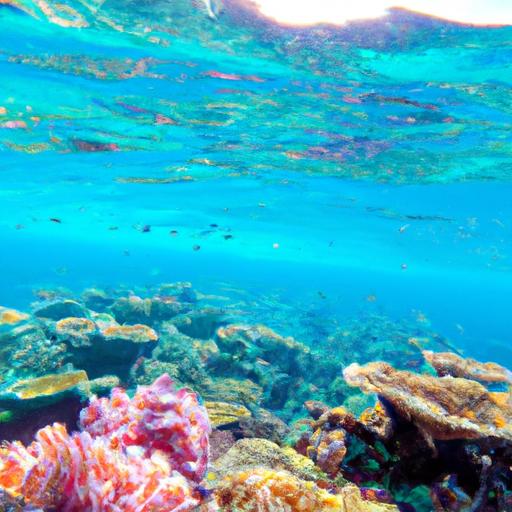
(11, 317)
(222, 413)
(136, 333)
(47, 385)
(500, 421)
(501, 399)
(75, 324)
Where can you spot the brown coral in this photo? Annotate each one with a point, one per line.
(443, 408)
(259, 334)
(328, 449)
(377, 421)
(447, 363)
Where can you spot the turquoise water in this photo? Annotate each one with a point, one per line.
(187, 187)
(321, 165)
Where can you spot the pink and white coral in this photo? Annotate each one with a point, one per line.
(138, 455)
(158, 418)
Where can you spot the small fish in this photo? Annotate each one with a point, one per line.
(113, 228)
(126, 253)
(262, 361)
(460, 329)
(228, 237)
(173, 232)
(403, 266)
(56, 220)
(275, 245)
(146, 228)
(371, 298)
(196, 247)
(403, 229)
(214, 225)
(19, 226)
(322, 295)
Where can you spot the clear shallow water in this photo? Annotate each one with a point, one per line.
(346, 186)
(376, 156)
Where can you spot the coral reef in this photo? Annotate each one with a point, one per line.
(33, 393)
(76, 331)
(26, 351)
(263, 424)
(426, 443)
(132, 455)
(9, 317)
(397, 342)
(443, 408)
(57, 309)
(264, 490)
(338, 443)
(447, 363)
(250, 454)
(222, 414)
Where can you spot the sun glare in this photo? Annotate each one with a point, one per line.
(307, 12)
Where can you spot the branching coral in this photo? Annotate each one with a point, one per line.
(131, 455)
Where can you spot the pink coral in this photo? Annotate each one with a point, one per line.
(157, 418)
(132, 455)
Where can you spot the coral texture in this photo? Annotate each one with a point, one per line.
(447, 363)
(443, 408)
(263, 490)
(132, 455)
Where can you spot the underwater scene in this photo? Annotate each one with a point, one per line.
(253, 266)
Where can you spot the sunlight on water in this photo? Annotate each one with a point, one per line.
(192, 188)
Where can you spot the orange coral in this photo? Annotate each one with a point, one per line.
(264, 490)
(137, 333)
(377, 421)
(80, 325)
(11, 316)
(438, 406)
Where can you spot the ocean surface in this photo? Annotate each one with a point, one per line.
(189, 188)
(147, 142)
